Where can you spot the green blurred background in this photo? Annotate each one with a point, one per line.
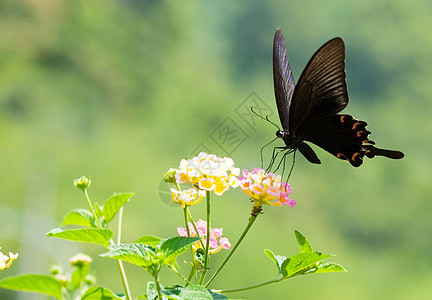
(123, 90)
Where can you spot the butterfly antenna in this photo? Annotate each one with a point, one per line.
(265, 119)
(268, 120)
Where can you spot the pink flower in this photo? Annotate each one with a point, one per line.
(216, 242)
(266, 188)
(182, 231)
(225, 243)
(216, 232)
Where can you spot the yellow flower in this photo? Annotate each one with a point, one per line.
(209, 172)
(187, 197)
(6, 261)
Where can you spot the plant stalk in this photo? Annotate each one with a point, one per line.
(158, 288)
(248, 287)
(206, 255)
(119, 262)
(245, 231)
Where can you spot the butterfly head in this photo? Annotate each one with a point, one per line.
(280, 134)
(290, 140)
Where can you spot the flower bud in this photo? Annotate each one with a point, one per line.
(169, 176)
(56, 269)
(63, 280)
(83, 182)
(90, 280)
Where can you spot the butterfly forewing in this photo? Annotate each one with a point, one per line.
(283, 78)
(321, 89)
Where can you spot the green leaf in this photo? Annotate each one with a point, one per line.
(79, 217)
(98, 210)
(173, 247)
(85, 235)
(149, 240)
(33, 283)
(277, 259)
(192, 292)
(305, 246)
(99, 293)
(79, 275)
(113, 204)
(330, 267)
(75, 280)
(301, 262)
(134, 253)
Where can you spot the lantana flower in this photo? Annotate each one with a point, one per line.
(266, 188)
(6, 261)
(216, 242)
(209, 172)
(187, 197)
(80, 260)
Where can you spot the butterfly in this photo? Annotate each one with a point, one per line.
(309, 111)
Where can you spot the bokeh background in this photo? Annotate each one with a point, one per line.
(123, 90)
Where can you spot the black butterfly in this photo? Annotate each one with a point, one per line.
(310, 110)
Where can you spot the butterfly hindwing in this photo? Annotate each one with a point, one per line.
(345, 137)
(283, 78)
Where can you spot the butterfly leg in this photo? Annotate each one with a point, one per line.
(262, 149)
(274, 156)
(292, 167)
(283, 159)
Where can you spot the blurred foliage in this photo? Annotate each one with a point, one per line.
(122, 90)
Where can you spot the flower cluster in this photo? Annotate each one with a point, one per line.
(266, 188)
(187, 197)
(80, 260)
(6, 261)
(216, 242)
(209, 172)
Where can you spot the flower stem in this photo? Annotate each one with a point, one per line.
(120, 218)
(245, 231)
(158, 288)
(185, 211)
(181, 276)
(194, 226)
(124, 279)
(248, 287)
(92, 209)
(119, 262)
(206, 255)
(191, 274)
